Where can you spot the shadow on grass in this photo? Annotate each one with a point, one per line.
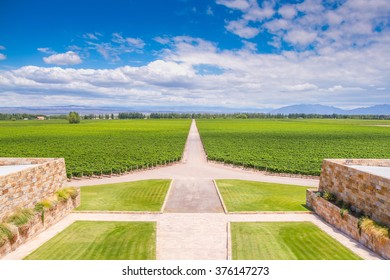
(307, 207)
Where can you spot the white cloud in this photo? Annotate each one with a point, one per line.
(90, 36)
(46, 50)
(313, 23)
(2, 47)
(162, 40)
(241, 28)
(3, 56)
(246, 79)
(136, 42)
(68, 58)
(300, 37)
(287, 11)
(117, 46)
(241, 5)
(250, 46)
(301, 87)
(257, 13)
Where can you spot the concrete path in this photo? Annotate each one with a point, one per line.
(193, 225)
(193, 196)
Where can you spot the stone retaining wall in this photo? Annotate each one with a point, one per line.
(36, 226)
(25, 188)
(348, 224)
(368, 193)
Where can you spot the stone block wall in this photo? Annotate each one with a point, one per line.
(25, 188)
(368, 193)
(37, 225)
(347, 224)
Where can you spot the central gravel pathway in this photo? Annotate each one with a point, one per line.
(193, 225)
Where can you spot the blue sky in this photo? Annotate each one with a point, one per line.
(233, 53)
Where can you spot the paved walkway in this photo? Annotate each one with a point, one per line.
(193, 225)
(193, 196)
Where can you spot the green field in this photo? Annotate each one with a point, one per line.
(239, 195)
(96, 146)
(147, 195)
(91, 240)
(292, 146)
(285, 241)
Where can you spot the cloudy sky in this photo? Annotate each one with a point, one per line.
(232, 53)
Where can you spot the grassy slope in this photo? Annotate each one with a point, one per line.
(285, 241)
(96, 145)
(91, 240)
(239, 195)
(293, 146)
(147, 195)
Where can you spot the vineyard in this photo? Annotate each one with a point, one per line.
(293, 146)
(97, 147)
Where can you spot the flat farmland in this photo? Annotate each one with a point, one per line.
(292, 146)
(96, 146)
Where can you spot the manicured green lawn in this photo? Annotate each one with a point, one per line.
(92, 240)
(240, 195)
(285, 241)
(146, 195)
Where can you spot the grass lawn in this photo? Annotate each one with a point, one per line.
(285, 241)
(146, 195)
(91, 240)
(239, 195)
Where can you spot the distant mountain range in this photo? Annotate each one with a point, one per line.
(328, 110)
(294, 109)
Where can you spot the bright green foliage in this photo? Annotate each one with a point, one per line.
(62, 195)
(145, 195)
(5, 233)
(72, 191)
(21, 216)
(45, 204)
(97, 146)
(285, 241)
(73, 117)
(292, 146)
(239, 195)
(92, 240)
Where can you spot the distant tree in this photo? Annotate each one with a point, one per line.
(74, 117)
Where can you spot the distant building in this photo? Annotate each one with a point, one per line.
(40, 118)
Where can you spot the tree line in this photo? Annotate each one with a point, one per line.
(138, 115)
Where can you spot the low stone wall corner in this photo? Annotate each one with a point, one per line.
(347, 223)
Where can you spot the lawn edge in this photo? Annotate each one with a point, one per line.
(271, 212)
(114, 212)
(220, 197)
(229, 242)
(166, 197)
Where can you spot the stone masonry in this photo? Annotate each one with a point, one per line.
(347, 223)
(368, 193)
(25, 188)
(39, 224)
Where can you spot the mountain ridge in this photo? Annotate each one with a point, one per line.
(382, 109)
